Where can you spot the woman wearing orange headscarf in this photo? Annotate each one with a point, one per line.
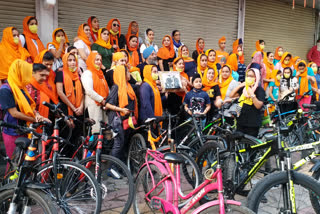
(268, 61)
(150, 98)
(10, 49)
(190, 66)
(285, 61)
(132, 47)
(118, 41)
(58, 46)
(277, 55)
(83, 44)
(121, 101)
(295, 61)
(133, 29)
(104, 48)
(69, 87)
(93, 23)
(212, 63)
(17, 103)
(260, 46)
(202, 65)
(29, 38)
(134, 71)
(233, 61)
(226, 82)
(237, 48)
(96, 89)
(166, 54)
(199, 49)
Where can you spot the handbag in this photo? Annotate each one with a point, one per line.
(130, 122)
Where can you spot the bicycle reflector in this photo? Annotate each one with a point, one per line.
(59, 176)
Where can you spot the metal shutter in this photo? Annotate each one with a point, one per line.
(279, 25)
(12, 13)
(208, 19)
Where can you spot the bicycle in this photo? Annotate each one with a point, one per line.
(158, 189)
(117, 191)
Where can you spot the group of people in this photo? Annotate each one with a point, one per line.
(113, 77)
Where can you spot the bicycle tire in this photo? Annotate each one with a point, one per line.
(120, 193)
(270, 184)
(314, 200)
(136, 153)
(140, 204)
(229, 208)
(45, 204)
(82, 196)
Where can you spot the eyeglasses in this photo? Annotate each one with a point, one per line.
(116, 25)
(178, 34)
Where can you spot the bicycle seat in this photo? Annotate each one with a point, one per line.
(173, 158)
(270, 137)
(89, 122)
(237, 135)
(22, 142)
(149, 120)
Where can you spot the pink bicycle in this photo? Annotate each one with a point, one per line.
(158, 188)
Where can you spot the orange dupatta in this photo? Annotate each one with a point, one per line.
(101, 42)
(232, 61)
(44, 96)
(129, 33)
(207, 84)
(212, 64)
(282, 60)
(157, 97)
(19, 75)
(269, 71)
(50, 81)
(224, 85)
(200, 68)
(83, 36)
(94, 35)
(134, 59)
(124, 89)
(32, 49)
(68, 78)
(303, 84)
(114, 35)
(200, 51)
(185, 58)
(99, 82)
(276, 54)
(57, 44)
(294, 61)
(9, 51)
(235, 46)
(166, 52)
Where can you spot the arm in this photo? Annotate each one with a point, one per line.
(83, 54)
(208, 107)
(312, 79)
(234, 92)
(63, 97)
(87, 84)
(218, 102)
(161, 64)
(257, 103)
(57, 53)
(270, 93)
(19, 115)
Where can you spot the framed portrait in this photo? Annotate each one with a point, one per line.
(170, 81)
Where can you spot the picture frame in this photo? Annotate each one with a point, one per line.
(170, 81)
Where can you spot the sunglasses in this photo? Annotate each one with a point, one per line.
(116, 25)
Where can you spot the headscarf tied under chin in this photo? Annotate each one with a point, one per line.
(245, 97)
(258, 58)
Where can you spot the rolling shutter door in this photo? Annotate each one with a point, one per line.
(208, 19)
(12, 13)
(279, 25)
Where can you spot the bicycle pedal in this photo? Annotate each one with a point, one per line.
(155, 204)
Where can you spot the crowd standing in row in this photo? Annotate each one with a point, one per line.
(109, 76)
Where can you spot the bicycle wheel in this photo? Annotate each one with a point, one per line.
(74, 188)
(267, 195)
(117, 192)
(315, 200)
(136, 153)
(229, 208)
(38, 202)
(144, 183)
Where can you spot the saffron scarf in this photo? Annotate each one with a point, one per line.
(57, 44)
(235, 46)
(276, 54)
(19, 75)
(129, 33)
(101, 42)
(44, 96)
(269, 71)
(303, 77)
(185, 58)
(211, 64)
(32, 49)
(83, 36)
(157, 97)
(94, 34)
(9, 51)
(224, 84)
(182, 74)
(294, 62)
(201, 70)
(232, 61)
(282, 60)
(114, 36)
(134, 57)
(200, 51)
(124, 89)
(166, 52)
(68, 78)
(100, 85)
(53, 95)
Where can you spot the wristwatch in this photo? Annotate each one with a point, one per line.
(253, 96)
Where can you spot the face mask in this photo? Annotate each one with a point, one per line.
(270, 61)
(287, 76)
(262, 47)
(280, 53)
(240, 53)
(58, 39)
(286, 62)
(155, 76)
(278, 77)
(16, 40)
(250, 80)
(72, 69)
(97, 67)
(184, 56)
(33, 28)
(315, 70)
(180, 69)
